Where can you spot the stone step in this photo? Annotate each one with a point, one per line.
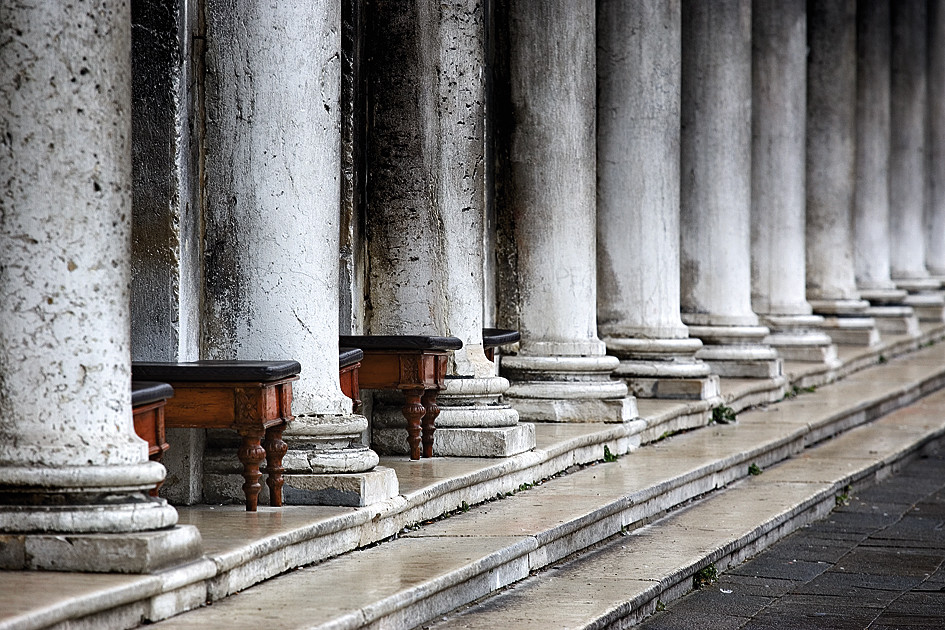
(632, 575)
(441, 565)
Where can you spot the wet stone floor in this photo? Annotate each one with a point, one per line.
(876, 562)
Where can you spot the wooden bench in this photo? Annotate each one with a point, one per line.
(254, 398)
(349, 360)
(415, 365)
(147, 402)
(492, 338)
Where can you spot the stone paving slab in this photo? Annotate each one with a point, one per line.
(861, 582)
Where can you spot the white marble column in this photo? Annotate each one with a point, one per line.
(70, 461)
(548, 274)
(907, 160)
(779, 91)
(638, 57)
(871, 196)
(935, 208)
(716, 190)
(426, 204)
(271, 235)
(831, 132)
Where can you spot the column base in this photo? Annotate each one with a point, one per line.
(798, 338)
(929, 307)
(353, 489)
(473, 421)
(139, 552)
(463, 442)
(839, 308)
(567, 389)
(83, 500)
(895, 320)
(852, 331)
(663, 368)
(918, 285)
(704, 388)
(325, 462)
(883, 297)
(737, 351)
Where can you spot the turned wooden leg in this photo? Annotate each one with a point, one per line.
(251, 454)
(275, 451)
(413, 411)
(432, 410)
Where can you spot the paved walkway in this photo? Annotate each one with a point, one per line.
(875, 563)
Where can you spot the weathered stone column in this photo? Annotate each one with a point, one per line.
(871, 196)
(70, 462)
(907, 161)
(908, 148)
(271, 235)
(935, 209)
(716, 189)
(548, 274)
(831, 132)
(779, 91)
(425, 216)
(638, 56)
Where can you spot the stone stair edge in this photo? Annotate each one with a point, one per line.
(818, 504)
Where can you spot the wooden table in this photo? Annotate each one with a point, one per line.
(254, 398)
(415, 365)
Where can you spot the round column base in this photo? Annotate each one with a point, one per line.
(884, 297)
(799, 338)
(737, 351)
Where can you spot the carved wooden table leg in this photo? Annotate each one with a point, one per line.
(275, 451)
(432, 410)
(413, 411)
(251, 454)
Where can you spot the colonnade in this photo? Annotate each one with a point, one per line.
(655, 194)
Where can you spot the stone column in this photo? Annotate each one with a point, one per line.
(548, 273)
(871, 196)
(907, 161)
(935, 209)
(716, 190)
(425, 214)
(271, 235)
(638, 55)
(70, 462)
(831, 131)
(779, 91)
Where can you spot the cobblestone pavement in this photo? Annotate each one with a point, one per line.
(875, 563)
